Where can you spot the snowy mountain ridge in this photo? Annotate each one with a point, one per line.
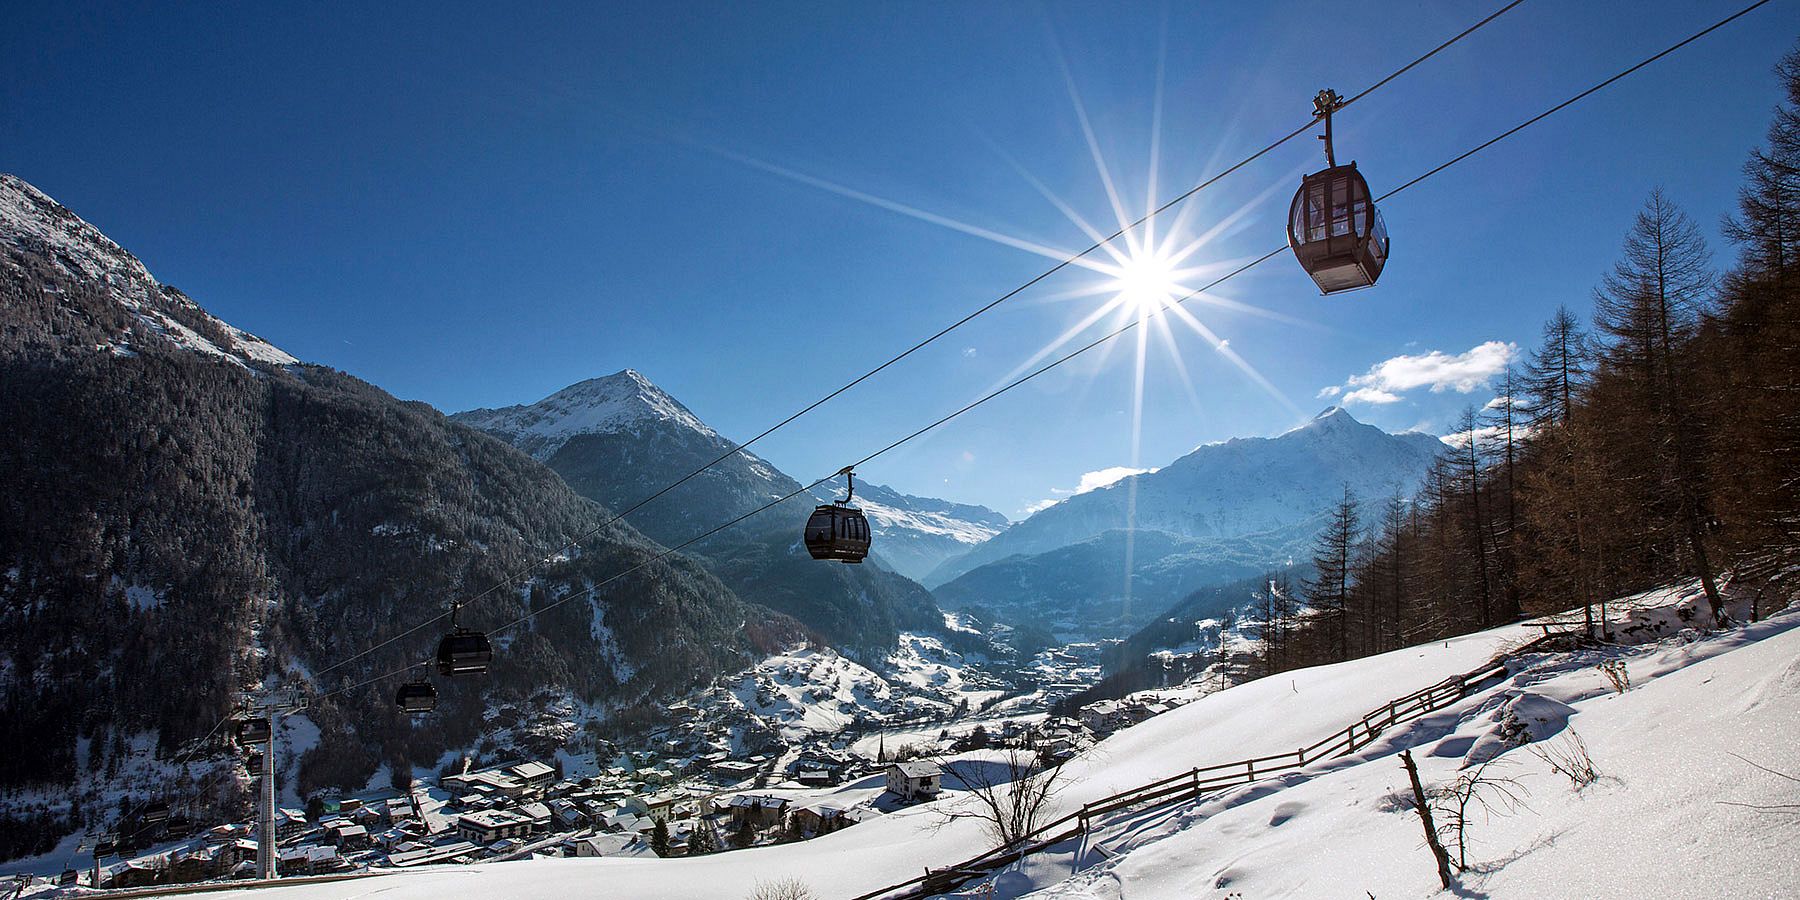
(1226, 491)
(622, 401)
(31, 221)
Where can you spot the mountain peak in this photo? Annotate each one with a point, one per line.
(620, 402)
(1330, 419)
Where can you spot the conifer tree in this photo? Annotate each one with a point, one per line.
(1651, 305)
(1329, 589)
(659, 838)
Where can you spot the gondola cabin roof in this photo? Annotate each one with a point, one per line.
(1336, 232)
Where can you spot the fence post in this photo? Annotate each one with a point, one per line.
(1250, 769)
(1196, 777)
(1300, 755)
(1351, 733)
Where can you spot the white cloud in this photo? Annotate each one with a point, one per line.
(1439, 371)
(1371, 395)
(1329, 391)
(969, 352)
(1091, 481)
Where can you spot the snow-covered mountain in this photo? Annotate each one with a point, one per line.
(189, 512)
(622, 401)
(1223, 512)
(1233, 489)
(620, 438)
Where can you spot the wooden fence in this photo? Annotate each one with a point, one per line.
(1194, 783)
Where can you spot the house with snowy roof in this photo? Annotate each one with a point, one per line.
(914, 780)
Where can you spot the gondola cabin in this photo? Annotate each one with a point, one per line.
(154, 813)
(253, 731)
(837, 531)
(1336, 231)
(464, 652)
(416, 697)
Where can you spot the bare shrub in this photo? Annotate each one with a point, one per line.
(783, 889)
(1614, 670)
(1568, 756)
(1010, 798)
(1475, 791)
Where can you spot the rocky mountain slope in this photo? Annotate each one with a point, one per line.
(186, 511)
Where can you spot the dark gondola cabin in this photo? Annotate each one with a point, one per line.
(464, 652)
(1336, 231)
(416, 697)
(837, 531)
(253, 731)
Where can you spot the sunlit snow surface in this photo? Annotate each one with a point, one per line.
(1658, 824)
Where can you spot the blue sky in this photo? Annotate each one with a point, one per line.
(475, 205)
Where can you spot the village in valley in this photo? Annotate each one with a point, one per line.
(803, 744)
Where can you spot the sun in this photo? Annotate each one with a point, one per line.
(1146, 282)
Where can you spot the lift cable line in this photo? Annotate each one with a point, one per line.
(933, 338)
(1102, 339)
(1572, 100)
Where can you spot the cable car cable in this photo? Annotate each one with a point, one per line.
(1105, 337)
(933, 338)
(1572, 100)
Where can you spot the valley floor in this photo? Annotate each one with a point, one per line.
(1687, 756)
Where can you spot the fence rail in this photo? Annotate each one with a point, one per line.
(1201, 780)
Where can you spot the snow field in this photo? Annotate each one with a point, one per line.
(1665, 749)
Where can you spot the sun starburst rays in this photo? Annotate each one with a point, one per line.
(1149, 273)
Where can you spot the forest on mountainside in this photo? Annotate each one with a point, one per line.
(1657, 443)
(176, 527)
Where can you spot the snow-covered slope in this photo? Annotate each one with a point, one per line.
(1666, 749)
(1240, 487)
(31, 221)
